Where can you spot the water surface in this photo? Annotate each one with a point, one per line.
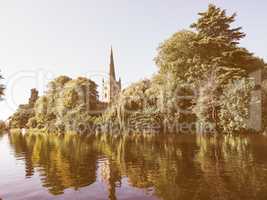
(168, 167)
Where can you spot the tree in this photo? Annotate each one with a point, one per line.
(24, 112)
(209, 59)
(177, 53)
(213, 46)
(217, 42)
(215, 24)
(224, 62)
(68, 105)
(2, 88)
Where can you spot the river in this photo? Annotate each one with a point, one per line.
(133, 167)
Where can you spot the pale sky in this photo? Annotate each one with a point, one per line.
(40, 40)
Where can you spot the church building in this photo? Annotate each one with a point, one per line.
(111, 87)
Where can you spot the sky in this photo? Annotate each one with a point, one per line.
(40, 40)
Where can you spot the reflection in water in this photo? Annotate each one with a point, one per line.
(64, 161)
(168, 167)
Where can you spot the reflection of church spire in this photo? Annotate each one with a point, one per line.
(112, 189)
(110, 175)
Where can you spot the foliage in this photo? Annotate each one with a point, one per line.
(20, 118)
(68, 105)
(214, 23)
(213, 47)
(2, 88)
(137, 98)
(197, 69)
(207, 103)
(196, 72)
(2, 125)
(209, 60)
(217, 42)
(145, 105)
(234, 104)
(177, 53)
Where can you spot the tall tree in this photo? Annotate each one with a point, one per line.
(222, 59)
(209, 58)
(217, 42)
(214, 23)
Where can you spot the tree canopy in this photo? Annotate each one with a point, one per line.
(68, 105)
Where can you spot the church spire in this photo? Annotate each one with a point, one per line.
(111, 87)
(111, 66)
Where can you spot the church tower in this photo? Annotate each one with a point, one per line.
(111, 87)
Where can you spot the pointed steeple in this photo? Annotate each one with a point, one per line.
(111, 66)
(112, 87)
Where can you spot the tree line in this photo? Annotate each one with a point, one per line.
(203, 80)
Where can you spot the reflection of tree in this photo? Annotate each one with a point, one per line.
(1, 134)
(22, 149)
(154, 162)
(63, 162)
(230, 168)
(191, 167)
(173, 167)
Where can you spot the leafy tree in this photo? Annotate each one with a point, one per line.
(70, 98)
(190, 55)
(68, 105)
(208, 59)
(217, 42)
(223, 62)
(215, 24)
(177, 53)
(20, 118)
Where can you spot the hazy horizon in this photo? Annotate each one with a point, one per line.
(44, 39)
